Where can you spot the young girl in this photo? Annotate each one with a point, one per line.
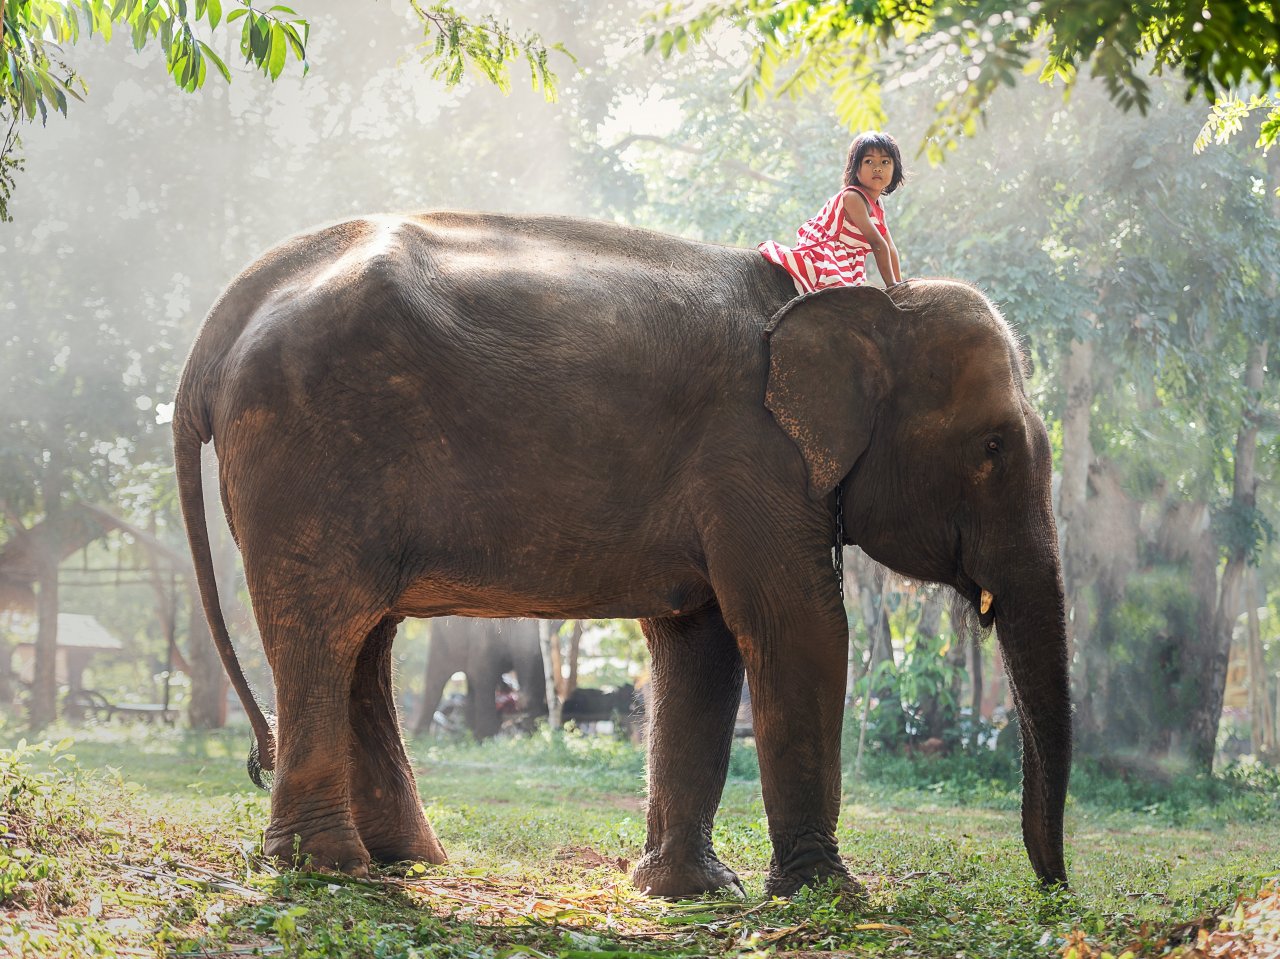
(831, 248)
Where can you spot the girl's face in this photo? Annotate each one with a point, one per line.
(875, 172)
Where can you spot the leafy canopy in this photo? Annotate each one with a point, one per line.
(36, 78)
(861, 48)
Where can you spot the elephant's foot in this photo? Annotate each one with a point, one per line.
(337, 848)
(810, 860)
(785, 885)
(411, 841)
(659, 874)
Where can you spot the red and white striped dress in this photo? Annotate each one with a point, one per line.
(830, 250)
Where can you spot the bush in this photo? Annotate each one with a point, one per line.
(49, 831)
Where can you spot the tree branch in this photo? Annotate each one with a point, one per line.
(9, 513)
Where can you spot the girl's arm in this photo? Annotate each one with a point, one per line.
(893, 257)
(855, 208)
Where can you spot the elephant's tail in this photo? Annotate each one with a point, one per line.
(191, 430)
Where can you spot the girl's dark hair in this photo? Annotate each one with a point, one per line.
(863, 144)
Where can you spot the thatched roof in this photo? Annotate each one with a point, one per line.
(77, 525)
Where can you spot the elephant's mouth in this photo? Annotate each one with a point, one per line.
(982, 601)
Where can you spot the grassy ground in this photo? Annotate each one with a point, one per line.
(147, 845)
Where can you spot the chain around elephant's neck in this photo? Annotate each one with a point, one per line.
(837, 555)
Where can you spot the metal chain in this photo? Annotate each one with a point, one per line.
(837, 557)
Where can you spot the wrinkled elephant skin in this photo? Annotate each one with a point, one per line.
(545, 417)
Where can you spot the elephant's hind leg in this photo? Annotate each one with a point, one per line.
(384, 797)
(696, 685)
(314, 664)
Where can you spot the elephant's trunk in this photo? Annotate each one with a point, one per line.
(1031, 626)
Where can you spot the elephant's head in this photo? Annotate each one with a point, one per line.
(915, 407)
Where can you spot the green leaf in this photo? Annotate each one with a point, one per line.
(259, 40)
(28, 95)
(299, 50)
(217, 60)
(215, 12)
(1270, 130)
(279, 50)
(139, 33)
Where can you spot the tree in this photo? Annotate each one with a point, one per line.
(1143, 277)
(36, 79)
(859, 50)
(109, 277)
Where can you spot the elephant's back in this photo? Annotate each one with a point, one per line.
(490, 307)
(578, 277)
(460, 275)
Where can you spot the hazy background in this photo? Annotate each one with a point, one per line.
(1140, 274)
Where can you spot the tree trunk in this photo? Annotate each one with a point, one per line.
(875, 617)
(6, 673)
(44, 681)
(556, 672)
(550, 644)
(1073, 525)
(939, 709)
(1207, 710)
(209, 683)
(1262, 718)
(976, 666)
(575, 646)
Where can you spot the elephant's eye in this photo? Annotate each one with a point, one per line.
(993, 444)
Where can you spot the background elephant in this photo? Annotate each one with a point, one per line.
(547, 417)
(483, 649)
(619, 706)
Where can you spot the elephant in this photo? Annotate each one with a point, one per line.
(587, 705)
(537, 416)
(483, 650)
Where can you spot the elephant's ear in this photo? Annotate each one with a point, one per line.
(827, 375)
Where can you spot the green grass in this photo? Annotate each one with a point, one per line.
(148, 845)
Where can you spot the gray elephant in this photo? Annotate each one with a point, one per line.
(547, 417)
(618, 705)
(483, 649)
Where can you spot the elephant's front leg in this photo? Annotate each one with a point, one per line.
(791, 627)
(797, 702)
(694, 692)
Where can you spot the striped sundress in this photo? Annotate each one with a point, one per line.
(829, 250)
